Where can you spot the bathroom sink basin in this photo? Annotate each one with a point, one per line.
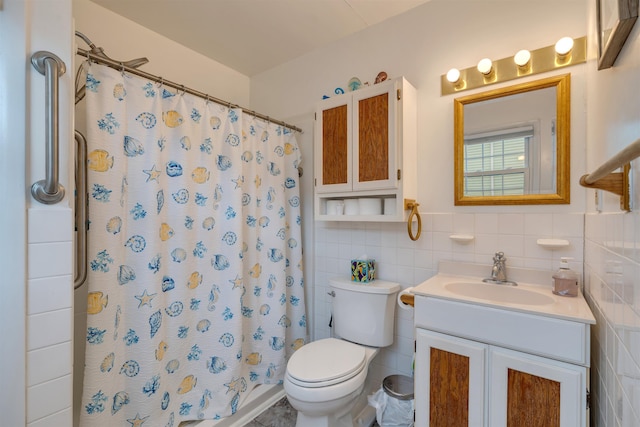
(499, 293)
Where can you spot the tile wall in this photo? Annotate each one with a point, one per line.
(612, 288)
(400, 259)
(49, 317)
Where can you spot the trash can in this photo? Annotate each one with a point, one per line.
(394, 402)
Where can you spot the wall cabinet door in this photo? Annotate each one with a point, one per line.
(374, 137)
(333, 149)
(450, 381)
(357, 139)
(532, 391)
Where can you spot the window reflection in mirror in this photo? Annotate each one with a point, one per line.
(512, 144)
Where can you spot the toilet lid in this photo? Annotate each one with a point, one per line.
(325, 362)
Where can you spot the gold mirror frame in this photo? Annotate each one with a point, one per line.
(562, 83)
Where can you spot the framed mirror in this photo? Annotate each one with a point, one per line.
(512, 145)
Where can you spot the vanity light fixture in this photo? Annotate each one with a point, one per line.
(566, 52)
(486, 68)
(563, 49)
(564, 46)
(523, 61)
(453, 77)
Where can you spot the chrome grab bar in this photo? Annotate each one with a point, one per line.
(81, 210)
(49, 190)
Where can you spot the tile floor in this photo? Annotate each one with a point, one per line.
(279, 415)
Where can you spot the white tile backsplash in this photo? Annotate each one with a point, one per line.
(511, 223)
(612, 287)
(464, 223)
(486, 223)
(50, 328)
(49, 317)
(570, 225)
(49, 398)
(50, 259)
(49, 363)
(538, 225)
(50, 225)
(49, 293)
(59, 419)
(410, 263)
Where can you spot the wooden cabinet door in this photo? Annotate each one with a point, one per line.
(375, 136)
(531, 391)
(333, 147)
(449, 381)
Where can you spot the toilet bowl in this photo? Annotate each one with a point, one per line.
(324, 379)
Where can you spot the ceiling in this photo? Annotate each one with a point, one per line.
(251, 36)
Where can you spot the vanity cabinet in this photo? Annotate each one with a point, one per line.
(481, 366)
(467, 383)
(365, 147)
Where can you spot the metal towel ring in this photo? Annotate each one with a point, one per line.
(413, 205)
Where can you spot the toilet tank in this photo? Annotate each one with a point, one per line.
(364, 313)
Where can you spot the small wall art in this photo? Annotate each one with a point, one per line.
(615, 19)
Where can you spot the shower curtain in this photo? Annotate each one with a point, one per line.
(195, 260)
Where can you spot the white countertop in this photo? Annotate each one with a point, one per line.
(568, 308)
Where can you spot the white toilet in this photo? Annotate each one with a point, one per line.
(325, 378)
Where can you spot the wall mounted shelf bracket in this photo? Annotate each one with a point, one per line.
(615, 182)
(618, 183)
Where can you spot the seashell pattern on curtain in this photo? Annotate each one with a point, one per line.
(195, 254)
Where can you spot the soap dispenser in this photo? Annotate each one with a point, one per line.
(565, 280)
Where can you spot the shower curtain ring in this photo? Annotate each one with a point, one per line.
(207, 100)
(183, 90)
(161, 82)
(122, 68)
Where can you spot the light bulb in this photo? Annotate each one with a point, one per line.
(564, 46)
(522, 58)
(485, 65)
(453, 75)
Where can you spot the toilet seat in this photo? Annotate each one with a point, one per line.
(325, 362)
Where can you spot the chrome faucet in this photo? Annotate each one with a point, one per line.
(499, 271)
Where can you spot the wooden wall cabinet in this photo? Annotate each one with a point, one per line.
(365, 147)
(462, 382)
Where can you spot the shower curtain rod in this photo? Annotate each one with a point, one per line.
(120, 66)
